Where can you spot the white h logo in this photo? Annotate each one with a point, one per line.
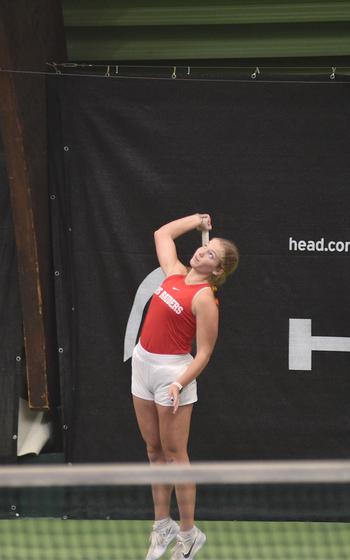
(302, 343)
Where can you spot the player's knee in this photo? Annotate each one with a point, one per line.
(155, 453)
(174, 454)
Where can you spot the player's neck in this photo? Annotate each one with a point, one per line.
(194, 277)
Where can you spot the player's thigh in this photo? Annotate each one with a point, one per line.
(174, 429)
(147, 419)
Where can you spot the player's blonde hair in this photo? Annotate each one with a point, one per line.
(229, 262)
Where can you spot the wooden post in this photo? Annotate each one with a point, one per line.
(31, 34)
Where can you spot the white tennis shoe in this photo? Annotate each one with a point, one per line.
(186, 549)
(160, 540)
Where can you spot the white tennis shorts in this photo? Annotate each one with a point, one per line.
(153, 373)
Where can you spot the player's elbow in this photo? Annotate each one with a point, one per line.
(160, 234)
(157, 235)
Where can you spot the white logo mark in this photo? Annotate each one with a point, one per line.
(144, 292)
(302, 343)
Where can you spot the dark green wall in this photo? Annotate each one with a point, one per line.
(199, 29)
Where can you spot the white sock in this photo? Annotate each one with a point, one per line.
(161, 524)
(188, 534)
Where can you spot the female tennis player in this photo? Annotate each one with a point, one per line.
(164, 372)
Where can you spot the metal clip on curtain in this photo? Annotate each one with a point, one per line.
(332, 76)
(255, 73)
(174, 73)
(54, 66)
(108, 72)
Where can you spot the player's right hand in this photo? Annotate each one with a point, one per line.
(205, 224)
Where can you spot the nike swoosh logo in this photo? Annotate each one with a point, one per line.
(189, 552)
(177, 289)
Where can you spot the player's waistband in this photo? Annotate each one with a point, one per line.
(161, 358)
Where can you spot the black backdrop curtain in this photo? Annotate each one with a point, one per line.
(270, 163)
(12, 368)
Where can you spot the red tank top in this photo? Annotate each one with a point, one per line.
(170, 325)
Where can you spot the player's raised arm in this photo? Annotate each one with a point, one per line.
(164, 240)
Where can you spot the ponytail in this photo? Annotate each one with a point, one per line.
(229, 263)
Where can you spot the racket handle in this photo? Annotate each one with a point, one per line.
(205, 237)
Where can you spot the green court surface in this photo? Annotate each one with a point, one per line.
(56, 539)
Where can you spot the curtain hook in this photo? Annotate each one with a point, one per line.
(188, 70)
(55, 67)
(117, 69)
(174, 73)
(255, 73)
(108, 72)
(332, 76)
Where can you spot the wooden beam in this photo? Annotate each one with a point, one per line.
(31, 34)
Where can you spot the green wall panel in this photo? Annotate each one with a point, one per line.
(208, 42)
(169, 29)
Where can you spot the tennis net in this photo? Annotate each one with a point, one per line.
(281, 510)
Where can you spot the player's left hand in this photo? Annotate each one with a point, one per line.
(174, 395)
